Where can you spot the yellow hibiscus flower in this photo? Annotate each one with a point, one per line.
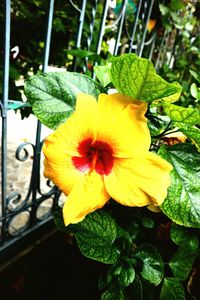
(102, 152)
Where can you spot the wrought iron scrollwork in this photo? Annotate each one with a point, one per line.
(26, 154)
(18, 223)
(13, 201)
(37, 205)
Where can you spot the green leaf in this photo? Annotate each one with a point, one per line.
(136, 77)
(181, 114)
(83, 53)
(58, 219)
(95, 236)
(195, 75)
(17, 104)
(163, 9)
(148, 222)
(172, 289)
(113, 294)
(156, 123)
(102, 73)
(179, 234)
(53, 95)
(191, 132)
(176, 5)
(126, 275)
(102, 282)
(182, 261)
(195, 92)
(153, 266)
(182, 204)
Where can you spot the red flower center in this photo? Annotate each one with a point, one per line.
(96, 156)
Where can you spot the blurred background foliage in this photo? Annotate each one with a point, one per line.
(176, 19)
(182, 19)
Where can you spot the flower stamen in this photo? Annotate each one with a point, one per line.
(95, 156)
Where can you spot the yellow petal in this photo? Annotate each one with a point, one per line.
(87, 195)
(152, 174)
(56, 147)
(78, 127)
(122, 187)
(82, 125)
(139, 182)
(86, 116)
(62, 144)
(154, 208)
(64, 176)
(123, 124)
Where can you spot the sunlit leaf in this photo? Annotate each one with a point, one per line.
(53, 95)
(136, 77)
(83, 53)
(103, 74)
(181, 114)
(182, 204)
(195, 92)
(163, 9)
(192, 132)
(195, 75)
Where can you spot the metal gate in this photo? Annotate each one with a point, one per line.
(125, 26)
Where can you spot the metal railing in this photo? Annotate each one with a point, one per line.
(128, 30)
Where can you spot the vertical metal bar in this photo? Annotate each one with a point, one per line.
(145, 29)
(164, 53)
(101, 31)
(90, 36)
(81, 22)
(152, 46)
(48, 36)
(37, 153)
(5, 89)
(124, 4)
(173, 51)
(102, 26)
(135, 26)
(160, 49)
(80, 31)
(93, 14)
